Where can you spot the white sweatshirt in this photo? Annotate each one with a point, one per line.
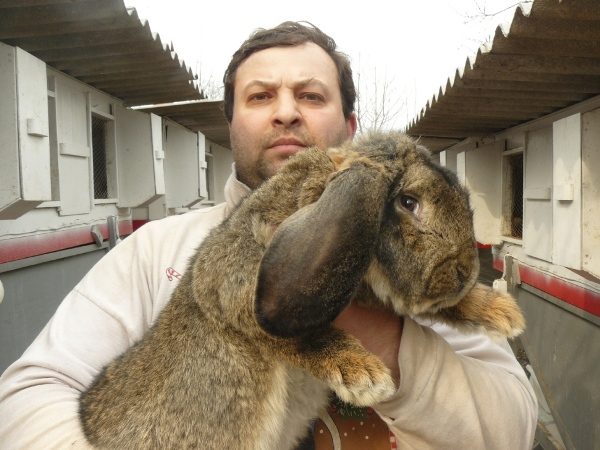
(456, 391)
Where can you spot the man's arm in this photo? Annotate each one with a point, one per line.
(455, 390)
(105, 314)
(39, 393)
(377, 330)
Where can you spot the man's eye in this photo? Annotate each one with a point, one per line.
(312, 97)
(259, 96)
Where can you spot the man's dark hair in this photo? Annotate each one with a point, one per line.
(291, 34)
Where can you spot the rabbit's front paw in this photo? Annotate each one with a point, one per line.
(496, 312)
(504, 316)
(360, 378)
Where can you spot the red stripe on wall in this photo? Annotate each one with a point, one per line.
(498, 264)
(40, 244)
(570, 293)
(139, 223)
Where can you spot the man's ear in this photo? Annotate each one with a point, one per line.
(352, 125)
(318, 256)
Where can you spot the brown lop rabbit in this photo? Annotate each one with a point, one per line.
(244, 354)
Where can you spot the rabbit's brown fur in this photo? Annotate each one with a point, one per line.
(244, 354)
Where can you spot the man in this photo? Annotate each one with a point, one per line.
(285, 89)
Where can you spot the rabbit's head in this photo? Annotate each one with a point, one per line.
(425, 257)
(390, 217)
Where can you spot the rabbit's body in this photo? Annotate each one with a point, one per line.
(210, 387)
(244, 354)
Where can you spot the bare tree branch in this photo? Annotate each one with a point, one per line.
(378, 101)
(211, 88)
(481, 7)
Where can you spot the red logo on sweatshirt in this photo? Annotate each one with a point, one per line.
(172, 273)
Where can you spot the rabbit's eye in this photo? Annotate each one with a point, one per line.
(409, 203)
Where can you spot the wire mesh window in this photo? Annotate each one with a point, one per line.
(513, 196)
(99, 129)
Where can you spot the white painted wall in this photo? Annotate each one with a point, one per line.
(75, 101)
(10, 188)
(566, 192)
(32, 100)
(561, 232)
(203, 147)
(461, 167)
(158, 154)
(181, 166)
(45, 219)
(221, 165)
(448, 159)
(537, 190)
(73, 129)
(482, 171)
(148, 165)
(590, 244)
(25, 143)
(136, 158)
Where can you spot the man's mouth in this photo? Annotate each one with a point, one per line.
(287, 146)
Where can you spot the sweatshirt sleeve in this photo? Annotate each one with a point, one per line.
(459, 391)
(105, 313)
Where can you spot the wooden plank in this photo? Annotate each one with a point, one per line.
(541, 77)
(564, 65)
(57, 13)
(565, 28)
(516, 45)
(591, 192)
(82, 54)
(16, 32)
(173, 86)
(469, 121)
(566, 218)
(104, 64)
(500, 102)
(168, 78)
(488, 110)
(537, 219)
(462, 92)
(106, 69)
(84, 39)
(579, 10)
(138, 73)
(155, 99)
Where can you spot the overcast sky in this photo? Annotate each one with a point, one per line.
(415, 44)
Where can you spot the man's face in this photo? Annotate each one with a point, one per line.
(285, 99)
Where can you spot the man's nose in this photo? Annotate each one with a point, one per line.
(286, 112)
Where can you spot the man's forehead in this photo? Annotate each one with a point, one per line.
(271, 82)
(302, 63)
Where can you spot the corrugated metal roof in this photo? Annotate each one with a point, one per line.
(549, 59)
(101, 43)
(206, 116)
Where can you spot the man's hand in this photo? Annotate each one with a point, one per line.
(378, 330)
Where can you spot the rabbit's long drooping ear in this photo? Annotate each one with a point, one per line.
(318, 256)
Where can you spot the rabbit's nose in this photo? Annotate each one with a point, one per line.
(444, 280)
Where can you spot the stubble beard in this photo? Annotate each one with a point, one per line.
(255, 172)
